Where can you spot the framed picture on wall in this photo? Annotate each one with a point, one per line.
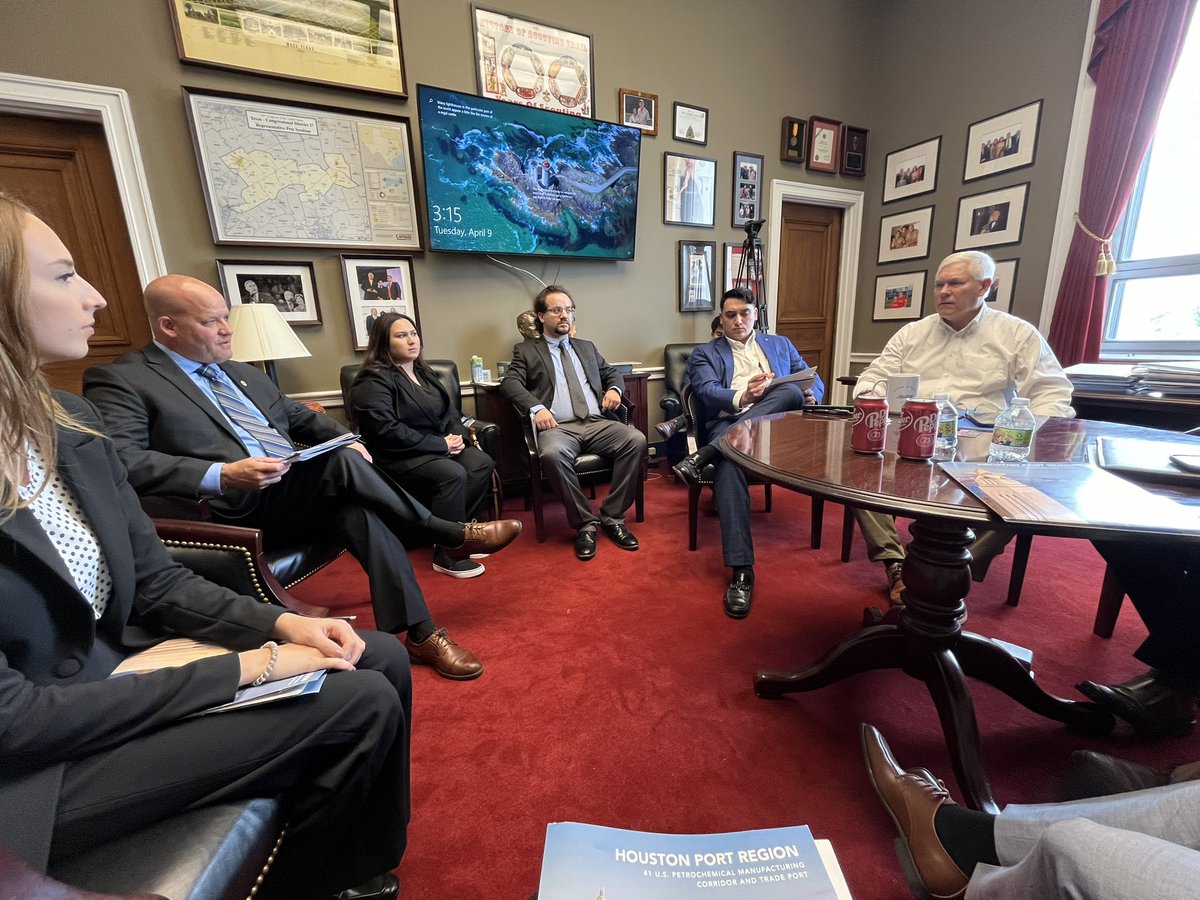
(689, 190)
(1001, 293)
(289, 287)
(747, 187)
(911, 170)
(991, 218)
(854, 151)
(905, 235)
(691, 123)
(823, 144)
(1004, 142)
(290, 40)
(639, 109)
(249, 151)
(898, 296)
(533, 63)
(791, 141)
(697, 275)
(376, 285)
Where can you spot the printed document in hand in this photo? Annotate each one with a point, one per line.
(804, 378)
(342, 440)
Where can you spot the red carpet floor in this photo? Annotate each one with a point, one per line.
(617, 692)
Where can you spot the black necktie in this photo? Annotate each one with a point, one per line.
(273, 443)
(579, 404)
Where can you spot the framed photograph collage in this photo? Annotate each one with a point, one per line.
(1000, 143)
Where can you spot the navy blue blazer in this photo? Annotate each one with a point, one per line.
(710, 370)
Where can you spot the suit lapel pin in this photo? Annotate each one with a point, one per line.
(243, 384)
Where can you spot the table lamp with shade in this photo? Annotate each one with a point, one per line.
(260, 333)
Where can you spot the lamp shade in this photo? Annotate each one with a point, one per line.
(261, 333)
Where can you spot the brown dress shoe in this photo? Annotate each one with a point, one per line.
(447, 658)
(912, 801)
(895, 573)
(1092, 774)
(484, 537)
(1155, 704)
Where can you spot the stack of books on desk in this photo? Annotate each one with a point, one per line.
(1177, 379)
(1104, 378)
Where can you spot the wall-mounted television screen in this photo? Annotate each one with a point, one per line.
(503, 178)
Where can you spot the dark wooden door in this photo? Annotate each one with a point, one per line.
(810, 241)
(64, 171)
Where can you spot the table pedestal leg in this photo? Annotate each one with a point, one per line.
(927, 643)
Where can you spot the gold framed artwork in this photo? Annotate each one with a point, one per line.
(355, 46)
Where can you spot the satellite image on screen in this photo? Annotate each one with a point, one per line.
(503, 178)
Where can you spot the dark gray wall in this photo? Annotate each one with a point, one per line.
(905, 70)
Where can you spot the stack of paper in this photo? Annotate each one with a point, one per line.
(1103, 378)
(1177, 379)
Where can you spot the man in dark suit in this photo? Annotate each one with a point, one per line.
(566, 385)
(186, 420)
(731, 376)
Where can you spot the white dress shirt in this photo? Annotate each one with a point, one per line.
(748, 361)
(994, 358)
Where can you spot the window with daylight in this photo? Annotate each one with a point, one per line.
(1154, 297)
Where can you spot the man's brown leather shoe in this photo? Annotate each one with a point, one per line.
(447, 658)
(1155, 704)
(912, 801)
(485, 537)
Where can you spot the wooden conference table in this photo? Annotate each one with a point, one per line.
(810, 453)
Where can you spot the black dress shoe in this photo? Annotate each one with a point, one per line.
(688, 468)
(378, 888)
(738, 594)
(585, 543)
(1092, 774)
(1154, 704)
(620, 535)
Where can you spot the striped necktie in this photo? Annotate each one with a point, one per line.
(579, 404)
(273, 443)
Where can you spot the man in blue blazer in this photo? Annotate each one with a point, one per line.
(730, 376)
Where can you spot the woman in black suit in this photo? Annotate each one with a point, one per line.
(85, 583)
(415, 432)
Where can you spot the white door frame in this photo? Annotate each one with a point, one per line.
(851, 202)
(30, 96)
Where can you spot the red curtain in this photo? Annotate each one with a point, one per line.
(1133, 56)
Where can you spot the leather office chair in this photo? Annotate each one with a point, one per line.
(446, 372)
(675, 358)
(708, 476)
(590, 467)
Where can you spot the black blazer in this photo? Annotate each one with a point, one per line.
(398, 422)
(56, 700)
(530, 378)
(168, 433)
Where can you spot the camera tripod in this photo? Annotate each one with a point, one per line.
(751, 269)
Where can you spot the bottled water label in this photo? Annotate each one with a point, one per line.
(1015, 438)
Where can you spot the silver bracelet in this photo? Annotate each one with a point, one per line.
(266, 673)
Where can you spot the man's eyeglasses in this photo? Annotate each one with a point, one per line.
(561, 310)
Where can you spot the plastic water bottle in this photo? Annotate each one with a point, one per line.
(947, 427)
(1012, 436)
(477, 368)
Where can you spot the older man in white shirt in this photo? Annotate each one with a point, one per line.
(982, 358)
